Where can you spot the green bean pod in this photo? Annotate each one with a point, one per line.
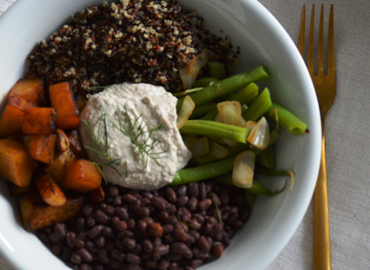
(217, 70)
(268, 157)
(258, 107)
(287, 119)
(204, 82)
(229, 85)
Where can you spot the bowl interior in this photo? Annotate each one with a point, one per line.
(263, 41)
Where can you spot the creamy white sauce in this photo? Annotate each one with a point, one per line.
(154, 107)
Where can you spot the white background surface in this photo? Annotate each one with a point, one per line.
(347, 134)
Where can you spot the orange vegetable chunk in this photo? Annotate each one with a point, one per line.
(37, 214)
(56, 169)
(82, 175)
(12, 118)
(29, 89)
(62, 99)
(49, 191)
(38, 121)
(62, 141)
(75, 144)
(16, 165)
(41, 147)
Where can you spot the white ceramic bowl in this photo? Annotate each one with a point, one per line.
(263, 41)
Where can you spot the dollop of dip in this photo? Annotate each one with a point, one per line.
(130, 131)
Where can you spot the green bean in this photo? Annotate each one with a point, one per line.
(244, 96)
(257, 187)
(268, 157)
(200, 173)
(258, 107)
(204, 82)
(229, 85)
(212, 128)
(217, 70)
(202, 110)
(287, 120)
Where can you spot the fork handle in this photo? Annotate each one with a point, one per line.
(321, 235)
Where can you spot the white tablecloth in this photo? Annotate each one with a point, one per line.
(347, 137)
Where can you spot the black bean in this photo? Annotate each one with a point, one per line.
(90, 246)
(102, 255)
(195, 263)
(113, 191)
(193, 204)
(195, 225)
(162, 250)
(133, 267)
(147, 194)
(125, 234)
(183, 214)
(128, 198)
(172, 220)
(168, 228)
(174, 266)
(214, 197)
(224, 197)
(179, 247)
(108, 232)
(109, 210)
(109, 244)
(131, 224)
(75, 258)
(80, 224)
(85, 267)
(88, 209)
(145, 202)
(117, 201)
(95, 231)
(158, 203)
(182, 190)
(244, 214)
(199, 218)
(122, 213)
(118, 255)
(143, 212)
(157, 242)
(163, 215)
(70, 238)
(85, 255)
(171, 195)
(147, 245)
(148, 220)
(180, 234)
(193, 190)
(118, 224)
(144, 256)
(132, 258)
(138, 248)
(203, 244)
(204, 204)
(100, 241)
(163, 264)
(58, 249)
(217, 249)
(237, 225)
(151, 264)
(99, 267)
(171, 209)
(90, 222)
(194, 234)
(129, 243)
(101, 217)
(202, 191)
(66, 254)
(155, 229)
(182, 201)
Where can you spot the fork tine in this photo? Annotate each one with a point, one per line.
(302, 32)
(320, 56)
(331, 62)
(310, 64)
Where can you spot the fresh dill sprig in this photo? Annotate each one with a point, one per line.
(101, 150)
(217, 210)
(145, 146)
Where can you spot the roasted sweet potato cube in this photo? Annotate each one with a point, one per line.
(76, 145)
(56, 170)
(49, 191)
(16, 165)
(12, 118)
(39, 121)
(82, 175)
(37, 214)
(41, 147)
(29, 89)
(14, 190)
(62, 141)
(62, 99)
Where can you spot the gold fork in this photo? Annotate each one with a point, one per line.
(325, 86)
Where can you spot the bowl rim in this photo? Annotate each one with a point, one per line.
(13, 259)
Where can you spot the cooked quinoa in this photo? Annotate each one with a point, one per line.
(127, 41)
